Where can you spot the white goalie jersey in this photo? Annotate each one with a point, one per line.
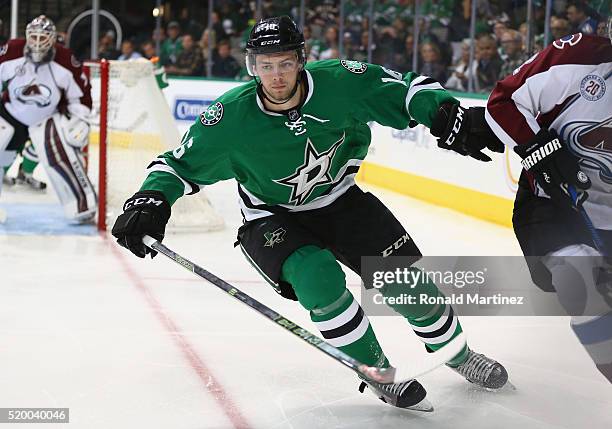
(33, 93)
(566, 87)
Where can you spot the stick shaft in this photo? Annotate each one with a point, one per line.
(262, 309)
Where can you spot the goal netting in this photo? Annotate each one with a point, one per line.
(131, 125)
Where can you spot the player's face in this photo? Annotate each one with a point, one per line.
(278, 73)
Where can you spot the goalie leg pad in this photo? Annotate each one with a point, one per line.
(7, 156)
(65, 169)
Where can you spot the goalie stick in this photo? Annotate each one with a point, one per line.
(416, 368)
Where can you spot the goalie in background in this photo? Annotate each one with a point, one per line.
(46, 100)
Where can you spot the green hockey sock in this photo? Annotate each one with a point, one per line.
(435, 324)
(28, 166)
(320, 286)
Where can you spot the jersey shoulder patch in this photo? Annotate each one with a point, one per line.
(212, 115)
(356, 67)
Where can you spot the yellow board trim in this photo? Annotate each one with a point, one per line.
(474, 203)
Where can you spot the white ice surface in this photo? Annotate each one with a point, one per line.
(130, 343)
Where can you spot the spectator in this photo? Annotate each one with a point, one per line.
(224, 65)
(348, 46)
(190, 61)
(602, 27)
(499, 28)
(559, 27)
(361, 53)
(171, 47)
(514, 56)
(331, 42)
(106, 46)
(488, 63)
(128, 52)
(148, 49)
(458, 80)
(312, 46)
(432, 65)
(578, 16)
(203, 45)
(403, 60)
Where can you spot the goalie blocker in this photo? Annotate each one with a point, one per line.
(58, 141)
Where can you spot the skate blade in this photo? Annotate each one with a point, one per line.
(423, 406)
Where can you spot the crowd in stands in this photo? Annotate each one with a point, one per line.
(443, 48)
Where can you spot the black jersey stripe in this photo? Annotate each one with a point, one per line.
(195, 188)
(426, 81)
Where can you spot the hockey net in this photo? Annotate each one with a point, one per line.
(131, 125)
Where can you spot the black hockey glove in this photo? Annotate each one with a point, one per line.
(554, 167)
(465, 131)
(146, 213)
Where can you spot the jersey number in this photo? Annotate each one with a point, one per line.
(593, 88)
(180, 151)
(397, 77)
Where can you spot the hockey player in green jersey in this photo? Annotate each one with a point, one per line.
(293, 139)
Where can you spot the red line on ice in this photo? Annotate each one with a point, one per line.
(207, 377)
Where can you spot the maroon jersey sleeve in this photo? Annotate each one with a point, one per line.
(532, 96)
(11, 50)
(65, 58)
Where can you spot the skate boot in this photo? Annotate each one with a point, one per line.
(8, 181)
(409, 394)
(483, 371)
(27, 179)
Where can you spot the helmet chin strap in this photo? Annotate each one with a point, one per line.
(293, 91)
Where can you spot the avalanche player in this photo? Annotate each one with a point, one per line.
(47, 100)
(555, 111)
(294, 138)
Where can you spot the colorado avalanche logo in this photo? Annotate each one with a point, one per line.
(592, 142)
(38, 94)
(570, 40)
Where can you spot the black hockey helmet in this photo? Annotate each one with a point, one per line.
(272, 35)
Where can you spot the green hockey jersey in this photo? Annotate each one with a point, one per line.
(302, 159)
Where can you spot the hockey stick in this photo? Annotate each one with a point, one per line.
(597, 240)
(381, 375)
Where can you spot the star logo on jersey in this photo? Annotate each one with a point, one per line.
(274, 237)
(33, 93)
(315, 171)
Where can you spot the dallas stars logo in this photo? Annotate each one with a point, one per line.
(312, 173)
(274, 237)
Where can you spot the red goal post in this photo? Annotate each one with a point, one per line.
(131, 125)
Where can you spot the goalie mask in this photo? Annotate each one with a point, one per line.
(273, 35)
(40, 39)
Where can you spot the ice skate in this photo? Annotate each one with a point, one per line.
(8, 181)
(28, 179)
(483, 371)
(409, 394)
